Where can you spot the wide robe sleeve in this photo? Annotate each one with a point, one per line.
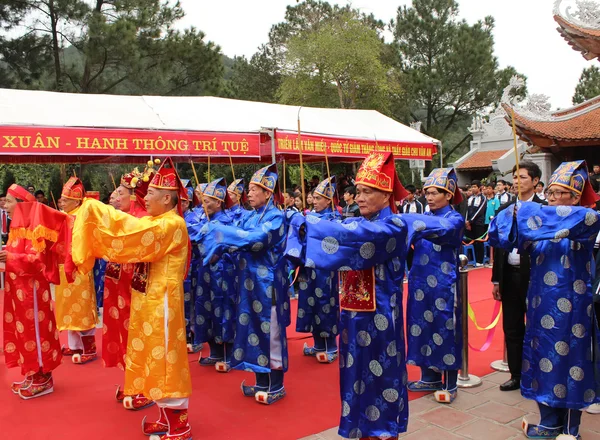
(100, 231)
(355, 244)
(538, 222)
(438, 230)
(217, 239)
(502, 232)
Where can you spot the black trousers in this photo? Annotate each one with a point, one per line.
(476, 232)
(514, 297)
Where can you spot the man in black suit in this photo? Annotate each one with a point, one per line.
(475, 220)
(411, 205)
(510, 276)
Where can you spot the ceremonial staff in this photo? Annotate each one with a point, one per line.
(514, 131)
(329, 181)
(301, 161)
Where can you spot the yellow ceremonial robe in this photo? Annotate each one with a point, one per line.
(156, 361)
(76, 302)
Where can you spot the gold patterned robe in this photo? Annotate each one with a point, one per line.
(156, 362)
(76, 302)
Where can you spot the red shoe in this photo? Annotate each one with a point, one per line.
(119, 395)
(160, 427)
(89, 351)
(137, 402)
(178, 426)
(41, 384)
(66, 351)
(16, 386)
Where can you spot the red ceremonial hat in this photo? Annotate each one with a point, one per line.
(18, 192)
(73, 189)
(379, 171)
(167, 178)
(93, 195)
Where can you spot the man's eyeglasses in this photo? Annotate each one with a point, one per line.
(557, 194)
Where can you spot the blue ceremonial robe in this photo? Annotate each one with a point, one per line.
(260, 241)
(433, 310)
(318, 294)
(237, 212)
(372, 367)
(99, 270)
(558, 369)
(217, 311)
(193, 286)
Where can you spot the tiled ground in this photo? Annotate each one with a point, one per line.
(482, 413)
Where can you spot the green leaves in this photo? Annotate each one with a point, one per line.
(588, 86)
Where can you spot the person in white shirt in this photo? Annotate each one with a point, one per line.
(502, 194)
(539, 191)
(410, 204)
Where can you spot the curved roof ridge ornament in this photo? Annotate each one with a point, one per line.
(538, 105)
(586, 16)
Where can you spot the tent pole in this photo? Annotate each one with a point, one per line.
(273, 155)
(441, 154)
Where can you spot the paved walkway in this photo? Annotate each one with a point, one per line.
(482, 413)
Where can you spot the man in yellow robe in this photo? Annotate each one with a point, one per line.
(76, 309)
(156, 361)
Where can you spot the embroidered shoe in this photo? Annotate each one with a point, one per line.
(137, 402)
(80, 359)
(326, 357)
(194, 348)
(445, 396)
(119, 395)
(223, 367)
(209, 361)
(66, 351)
(419, 386)
(250, 391)
(308, 351)
(541, 432)
(40, 386)
(16, 386)
(568, 437)
(159, 427)
(178, 427)
(269, 398)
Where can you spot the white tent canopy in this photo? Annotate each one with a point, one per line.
(198, 113)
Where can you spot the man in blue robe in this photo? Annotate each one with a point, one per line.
(237, 194)
(558, 352)
(318, 297)
(263, 313)
(217, 313)
(433, 313)
(369, 253)
(189, 284)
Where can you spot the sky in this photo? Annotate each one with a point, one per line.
(525, 34)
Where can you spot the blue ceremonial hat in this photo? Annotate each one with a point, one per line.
(266, 177)
(237, 187)
(327, 188)
(187, 186)
(574, 176)
(217, 189)
(445, 179)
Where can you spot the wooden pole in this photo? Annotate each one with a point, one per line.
(208, 169)
(231, 164)
(301, 162)
(113, 180)
(53, 201)
(514, 130)
(284, 188)
(329, 181)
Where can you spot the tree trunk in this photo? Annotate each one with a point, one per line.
(55, 45)
(340, 93)
(86, 85)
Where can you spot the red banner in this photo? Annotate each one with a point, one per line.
(101, 142)
(340, 148)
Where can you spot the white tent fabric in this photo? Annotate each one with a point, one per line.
(199, 113)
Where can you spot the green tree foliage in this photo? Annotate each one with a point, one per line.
(109, 46)
(450, 69)
(255, 80)
(341, 62)
(588, 86)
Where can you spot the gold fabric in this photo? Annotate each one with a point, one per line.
(76, 301)
(156, 361)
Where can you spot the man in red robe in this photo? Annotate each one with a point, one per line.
(30, 334)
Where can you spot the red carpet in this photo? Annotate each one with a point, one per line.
(82, 405)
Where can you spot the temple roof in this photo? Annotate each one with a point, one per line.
(581, 28)
(480, 160)
(576, 126)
